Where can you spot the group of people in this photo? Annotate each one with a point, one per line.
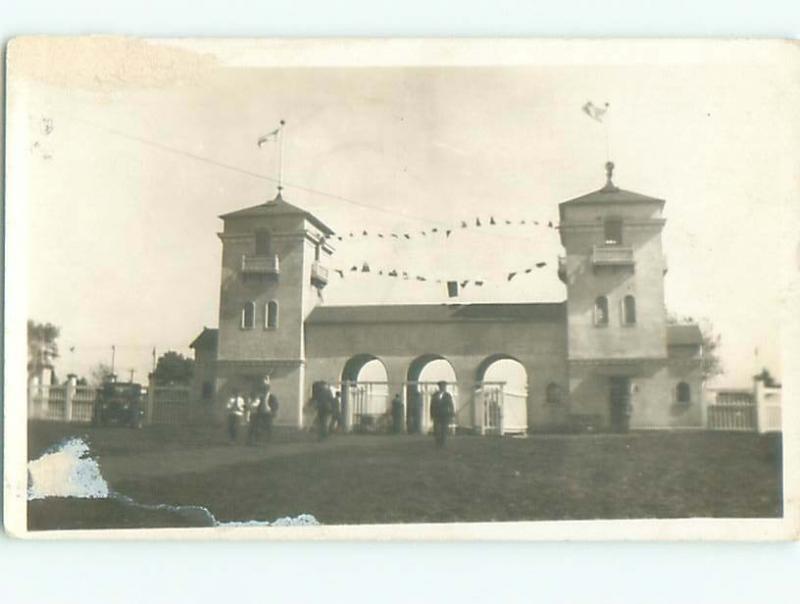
(257, 411)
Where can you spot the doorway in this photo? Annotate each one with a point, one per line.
(620, 403)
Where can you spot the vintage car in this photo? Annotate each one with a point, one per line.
(119, 403)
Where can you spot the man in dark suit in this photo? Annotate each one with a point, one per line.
(442, 413)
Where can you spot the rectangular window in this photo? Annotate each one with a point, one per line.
(263, 243)
(612, 231)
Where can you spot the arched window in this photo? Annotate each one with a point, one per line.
(629, 310)
(271, 315)
(683, 394)
(601, 311)
(553, 395)
(249, 315)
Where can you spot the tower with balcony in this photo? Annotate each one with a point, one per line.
(274, 258)
(616, 321)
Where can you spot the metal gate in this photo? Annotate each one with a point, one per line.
(732, 410)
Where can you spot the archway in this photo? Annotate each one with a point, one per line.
(424, 373)
(502, 394)
(364, 392)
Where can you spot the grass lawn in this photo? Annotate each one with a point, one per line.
(357, 479)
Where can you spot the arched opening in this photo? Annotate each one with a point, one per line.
(271, 315)
(423, 376)
(502, 395)
(364, 392)
(248, 315)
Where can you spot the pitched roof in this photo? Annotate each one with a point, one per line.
(437, 313)
(278, 207)
(206, 339)
(612, 194)
(684, 335)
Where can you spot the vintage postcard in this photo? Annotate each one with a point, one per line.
(402, 289)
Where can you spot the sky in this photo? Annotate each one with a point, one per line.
(128, 151)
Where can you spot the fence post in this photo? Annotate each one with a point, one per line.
(151, 398)
(69, 396)
(502, 398)
(32, 388)
(347, 408)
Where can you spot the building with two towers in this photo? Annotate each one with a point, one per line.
(606, 358)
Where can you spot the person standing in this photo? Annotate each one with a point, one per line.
(322, 400)
(336, 412)
(442, 413)
(397, 414)
(265, 406)
(235, 412)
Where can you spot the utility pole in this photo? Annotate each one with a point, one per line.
(113, 357)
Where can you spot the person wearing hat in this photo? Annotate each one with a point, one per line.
(264, 412)
(442, 413)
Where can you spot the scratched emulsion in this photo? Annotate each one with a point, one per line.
(67, 470)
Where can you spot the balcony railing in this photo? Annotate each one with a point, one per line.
(319, 275)
(612, 255)
(261, 265)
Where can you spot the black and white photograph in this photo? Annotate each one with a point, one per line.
(411, 289)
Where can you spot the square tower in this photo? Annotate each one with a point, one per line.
(616, 320)
(273, 270)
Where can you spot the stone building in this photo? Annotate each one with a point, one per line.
(603, 359)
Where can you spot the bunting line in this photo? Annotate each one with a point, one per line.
(408, 235)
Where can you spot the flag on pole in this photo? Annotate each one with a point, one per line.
(596, 112)
(270, 136)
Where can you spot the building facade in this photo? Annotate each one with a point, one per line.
(605, 358)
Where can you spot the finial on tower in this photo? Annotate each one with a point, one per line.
(609, 175)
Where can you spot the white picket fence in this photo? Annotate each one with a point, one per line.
(745, 410)
(71, 403)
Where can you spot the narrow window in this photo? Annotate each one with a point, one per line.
(263, 243)
(553, 394)
(612, 231)
(629, 310)
(208, 390)
(317, 249)
(272, 314)
(683, 394)
(601, 311)
(249, 315)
